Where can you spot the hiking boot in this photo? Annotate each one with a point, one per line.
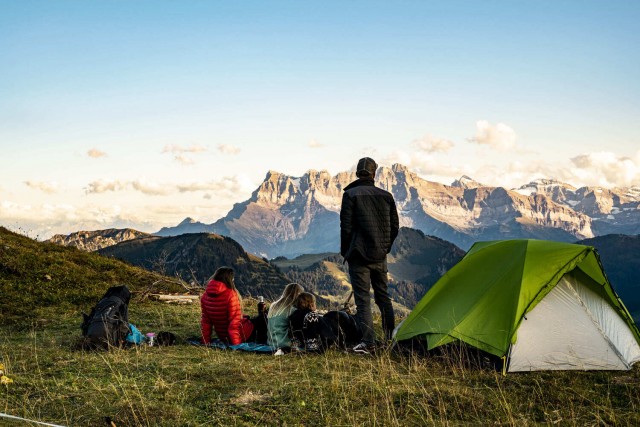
(364, 349)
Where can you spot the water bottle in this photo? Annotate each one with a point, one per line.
(151, 339)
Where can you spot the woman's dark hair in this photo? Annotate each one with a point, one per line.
(306, 300)
(225, 275)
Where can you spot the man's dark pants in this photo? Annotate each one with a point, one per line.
(365, 275)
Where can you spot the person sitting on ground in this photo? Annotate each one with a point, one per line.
(222, 310)
(309, 330)
(278, 317)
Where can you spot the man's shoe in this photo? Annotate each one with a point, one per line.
(364, 349)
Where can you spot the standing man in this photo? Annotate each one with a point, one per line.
(368, 226)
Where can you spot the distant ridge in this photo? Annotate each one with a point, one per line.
(288, 216)
(194, 257)
(94, 240)
(620, 257)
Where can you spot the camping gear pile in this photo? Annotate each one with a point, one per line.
(108, 324)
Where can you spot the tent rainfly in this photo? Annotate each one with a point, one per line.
(540, 305)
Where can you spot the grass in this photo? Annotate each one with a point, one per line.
(43, 289)
(194, 386)
(40, 281)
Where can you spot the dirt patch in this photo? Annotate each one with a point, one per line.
(249, 398)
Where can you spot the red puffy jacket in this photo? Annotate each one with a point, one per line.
(221, 309)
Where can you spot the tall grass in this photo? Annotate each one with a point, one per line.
(184, 385)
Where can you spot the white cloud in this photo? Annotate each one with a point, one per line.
(426, 165)
(45, 220)
(499, 136)
(46, 187)
(179, 152)
(602, 169)
(184, 160)
(177, 149)
(315, 144)
(152, 188)
(94, 153)
(101, 186)
(226, 184)
(606, 169)
(429, 144)
(228, 149)
(229, 185)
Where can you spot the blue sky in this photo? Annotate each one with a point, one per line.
(117, 113)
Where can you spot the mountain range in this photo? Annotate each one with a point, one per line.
(289, 216)
(416, 262)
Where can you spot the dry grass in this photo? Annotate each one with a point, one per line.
(194, 386)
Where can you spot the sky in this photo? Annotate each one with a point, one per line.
(139, 114)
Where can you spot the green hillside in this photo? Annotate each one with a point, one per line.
(415, 263)
(40, 281)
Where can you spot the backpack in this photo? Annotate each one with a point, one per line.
(108, 323)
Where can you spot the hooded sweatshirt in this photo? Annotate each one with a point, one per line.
(221, 309)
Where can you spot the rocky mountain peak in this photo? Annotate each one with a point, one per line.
(95, 240)
(466, 182)
(188, 220)
(277, 188)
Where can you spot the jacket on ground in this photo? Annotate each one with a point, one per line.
(221, 310)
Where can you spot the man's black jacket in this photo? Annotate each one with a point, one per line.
(368, 221)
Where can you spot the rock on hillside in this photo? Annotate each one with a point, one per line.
(93, 240)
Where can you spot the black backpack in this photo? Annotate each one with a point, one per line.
(108, 323)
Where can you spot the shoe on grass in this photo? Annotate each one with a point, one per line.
(364, 349)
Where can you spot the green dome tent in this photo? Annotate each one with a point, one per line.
(540, 305)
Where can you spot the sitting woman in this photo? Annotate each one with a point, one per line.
(309, 329)
(278, 317)
(222, 309)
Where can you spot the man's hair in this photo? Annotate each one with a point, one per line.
(366, 168)
(306, 301)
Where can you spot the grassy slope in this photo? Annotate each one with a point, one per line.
(184, 385)
(43, 281)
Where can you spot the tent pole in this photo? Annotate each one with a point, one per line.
(506, 358)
